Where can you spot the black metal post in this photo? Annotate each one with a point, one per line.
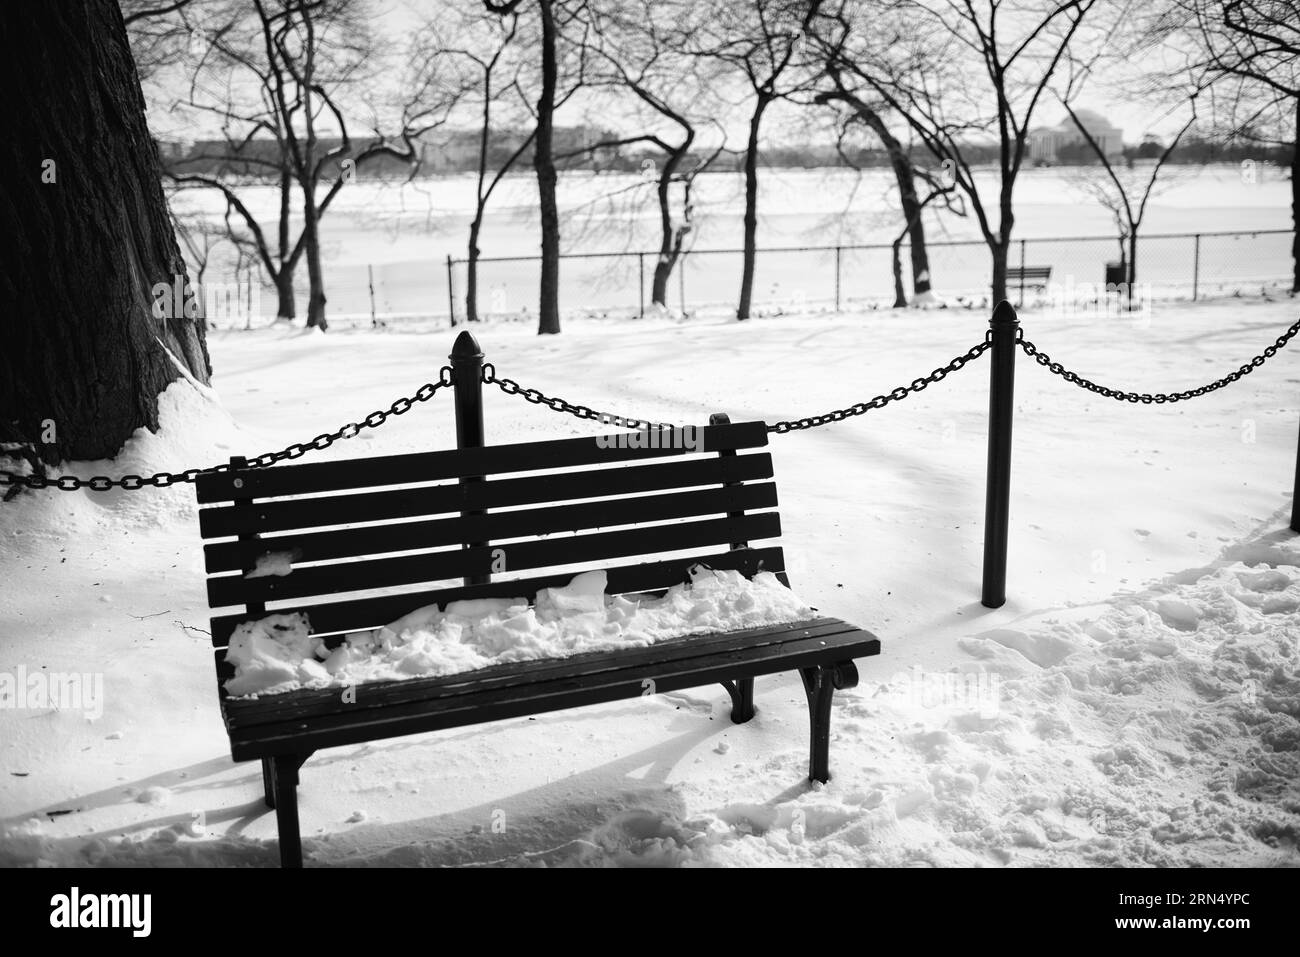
(1295, 494)
(997, 503)
(640, 274)
(467, 383)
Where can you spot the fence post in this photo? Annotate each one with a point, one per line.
(1021, 297)
(467, 383)
(997, 502)
(640, 275)
(451, 293)
(837, 278)
(370, 270)
(1196, 266)
(681, 284)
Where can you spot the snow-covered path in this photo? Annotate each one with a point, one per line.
(1136, 701)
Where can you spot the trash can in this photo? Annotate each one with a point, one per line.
(1115, 274)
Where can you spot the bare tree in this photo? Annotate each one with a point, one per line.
(636, 51)
(277, 81)
(960, 71)
(835, 39)
(762, 42)
(1246, 55)
(1126, 194)
(552, 15)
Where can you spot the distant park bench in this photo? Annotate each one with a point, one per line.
(1030, 277)
(710, 501)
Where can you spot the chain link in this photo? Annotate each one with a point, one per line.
(102, 483)
(880, 401)
(1159, 398)
(535, 396)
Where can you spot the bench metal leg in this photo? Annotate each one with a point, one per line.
(284, 777)
(268, 783)
(820, 684)
(742, 699)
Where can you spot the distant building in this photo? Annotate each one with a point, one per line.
(1064, 143)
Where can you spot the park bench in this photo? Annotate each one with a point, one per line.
(550, 509)
(1032, 277)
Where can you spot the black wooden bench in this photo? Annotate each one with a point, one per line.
(1032, 277)
(554, 509)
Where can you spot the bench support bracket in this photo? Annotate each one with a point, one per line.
(742, 699)
(820, 684)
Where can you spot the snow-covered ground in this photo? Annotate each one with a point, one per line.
(1137, 700)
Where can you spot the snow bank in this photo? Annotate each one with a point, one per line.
(278, 653)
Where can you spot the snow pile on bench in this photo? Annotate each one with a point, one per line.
(278, 653)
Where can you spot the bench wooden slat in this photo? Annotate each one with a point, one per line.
(493, 527)
(556, 693)
(306, 703)
(279, 516)
(556, 552)
(357, 614)
(457, 463)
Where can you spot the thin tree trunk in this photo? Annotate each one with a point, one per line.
(905, 176)
(667, 253)
(79, 344)
(311, 246)
(1002, 248)
(900, 294)
(1130, 274)
(471, 273)
(999, 251)
(1295, 204)
(751, 209)
(548, 318)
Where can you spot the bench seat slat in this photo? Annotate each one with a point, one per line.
(356, 614)
(457, 463)
(409, 536)
(544, 553)
(306, 703)
(279, 516)
(554, 694)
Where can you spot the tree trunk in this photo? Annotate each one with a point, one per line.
(548, 318)
(471, 271)
(285, 308)
(751, 208)
(900, 294)
(311, 247)
(1130, 274)
(81, 345)
(667, 254)
(999, 285)
(1295, 205)
(1002, 248)
(905, 176)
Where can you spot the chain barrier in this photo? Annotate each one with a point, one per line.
(1160, 398)
(102, 483)
(511, 387)
(880, 401)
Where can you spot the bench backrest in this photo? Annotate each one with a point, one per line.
(374, 539)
